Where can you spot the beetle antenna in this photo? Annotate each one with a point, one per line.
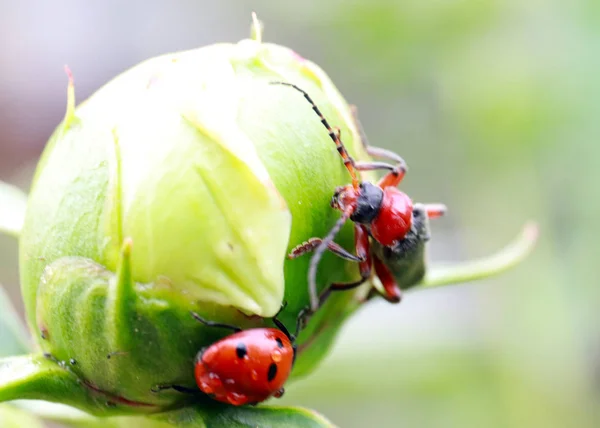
(334, 134)
(316, 258)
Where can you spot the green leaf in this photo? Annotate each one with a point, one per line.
(12, 209)
(242, 417)
(13, 336)
(489, 266)
(194, 416)
(37, 377)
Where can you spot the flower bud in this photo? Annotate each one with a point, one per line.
(180, 186)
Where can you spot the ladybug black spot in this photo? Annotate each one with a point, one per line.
(279, 342)
(241, 350)
(272, 372)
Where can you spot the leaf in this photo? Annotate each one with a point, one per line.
(13, 335)
(489, 266)
(242, 417)
(37, 377)
(195, 416)
(13, 202)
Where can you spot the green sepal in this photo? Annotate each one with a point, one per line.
(40, 378)
(101, 320)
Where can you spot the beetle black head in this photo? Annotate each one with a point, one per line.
(368, 203)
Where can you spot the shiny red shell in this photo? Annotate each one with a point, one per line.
(394, 219)
(246, 367)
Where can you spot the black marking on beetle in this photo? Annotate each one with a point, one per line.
(73, 361)
(368, 203)
(272, 372)
(240, 350)
(279, 342)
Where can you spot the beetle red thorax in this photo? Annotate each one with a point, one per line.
(246, 367)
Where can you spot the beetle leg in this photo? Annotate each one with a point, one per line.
(313, 243)
(316, 258)
(177, 388)
(392, 178)
(393, 294)
(363, 246)
(435, 210)
(215, 324)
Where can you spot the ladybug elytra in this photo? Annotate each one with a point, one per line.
(248, 366)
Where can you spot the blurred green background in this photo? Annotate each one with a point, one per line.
(493, 103)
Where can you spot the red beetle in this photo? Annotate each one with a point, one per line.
(248, 366)
(380, 211)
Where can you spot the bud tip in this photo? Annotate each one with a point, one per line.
(70, 113)
(256, 29)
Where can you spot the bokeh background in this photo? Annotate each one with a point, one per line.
(495, 106)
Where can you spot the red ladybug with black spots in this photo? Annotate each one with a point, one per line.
(248, 366)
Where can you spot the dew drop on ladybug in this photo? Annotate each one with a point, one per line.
(246, 367)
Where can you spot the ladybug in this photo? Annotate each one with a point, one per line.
(389, 230)
(248, 366)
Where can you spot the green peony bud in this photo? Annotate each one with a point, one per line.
(171, 190)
